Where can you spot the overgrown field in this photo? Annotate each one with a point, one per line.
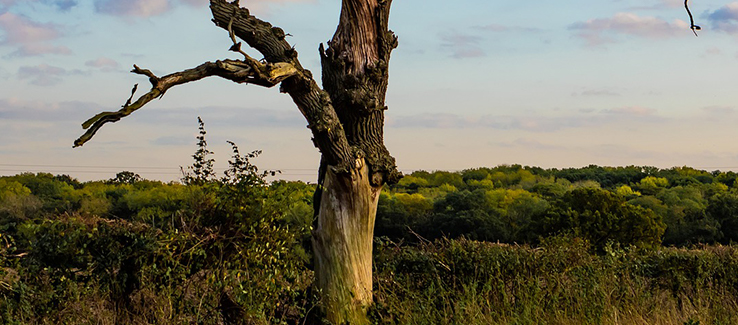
(87, 270)
(559, 282)
(503, 245)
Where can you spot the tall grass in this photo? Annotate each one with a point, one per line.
(561, 282)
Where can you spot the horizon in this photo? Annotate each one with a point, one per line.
(219, 172)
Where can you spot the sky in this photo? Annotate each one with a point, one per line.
(473, 83)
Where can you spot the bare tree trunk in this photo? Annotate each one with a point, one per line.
(342, 243)
(355, 75)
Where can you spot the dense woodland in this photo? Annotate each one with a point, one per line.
(509, 244)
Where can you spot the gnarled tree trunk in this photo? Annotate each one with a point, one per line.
(355, 75)
(342, 244)
(346, 118)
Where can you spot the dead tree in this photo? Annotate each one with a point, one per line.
(346, 117)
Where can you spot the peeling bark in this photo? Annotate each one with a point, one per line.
(343, 244)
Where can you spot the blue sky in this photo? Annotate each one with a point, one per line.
(473, 83)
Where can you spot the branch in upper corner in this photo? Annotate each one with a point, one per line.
(692, 26)
(267, 75)
(258, 34)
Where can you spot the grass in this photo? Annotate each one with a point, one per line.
(562, 282)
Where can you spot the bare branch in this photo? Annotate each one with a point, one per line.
(267, 75)
(312, 101)
(692, 26)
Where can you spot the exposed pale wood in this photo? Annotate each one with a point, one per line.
(342, 244)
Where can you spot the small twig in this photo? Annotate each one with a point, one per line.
(236, 47)
(133, 92)
(692, 26)
(145, 72)
(421, 238)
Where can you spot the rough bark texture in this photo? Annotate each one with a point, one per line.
(346, 118)
(356, 74)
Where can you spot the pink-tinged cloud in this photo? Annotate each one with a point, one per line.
(720, 111)
(134, 8)
(195, 3)
(663, 4)
(21, 30)
(260, 8)
(462, 45)
(596, 93)
(725, 19)
(31, 38)
(44, 74)
(540, 123)
(604, 30)
(62, 5)
(36, 49)
(102, 63)
(631, 111)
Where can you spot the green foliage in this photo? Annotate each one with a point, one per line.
(560, 282)
(466, 213)
(201, 171)
(627, 192)
(125, 177)
(601, 216)
(723, 208)
(132, 251)
(650, 185)
(691, 204)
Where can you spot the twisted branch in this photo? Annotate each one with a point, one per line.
(267, 75)
(692, 26)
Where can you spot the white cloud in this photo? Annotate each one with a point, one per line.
(148, 8)
(36, 49)
(31, 38)
(103, 63)
(725, 18)
(44, 74)
(603, 30)
(62, 5)
(631, 111)
(531, 122)
(597, 93)
(21, 30)
(661, 5)
(462, 45)
(18, 109)
(136, 8)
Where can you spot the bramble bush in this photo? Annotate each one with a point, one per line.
(213, 251)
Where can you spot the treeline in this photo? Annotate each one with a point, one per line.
(642, 206)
